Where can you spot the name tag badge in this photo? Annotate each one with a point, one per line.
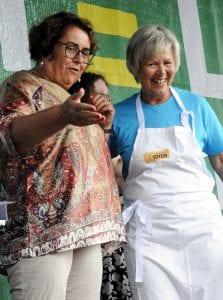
(157, 155)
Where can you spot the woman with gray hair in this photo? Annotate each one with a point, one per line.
(173, 219)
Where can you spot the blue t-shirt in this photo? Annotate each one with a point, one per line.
(208, 129)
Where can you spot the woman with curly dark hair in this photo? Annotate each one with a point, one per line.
(55, 167)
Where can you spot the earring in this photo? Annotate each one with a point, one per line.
(79, 80)
(41, 64)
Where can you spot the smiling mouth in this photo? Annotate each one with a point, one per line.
(159, 81)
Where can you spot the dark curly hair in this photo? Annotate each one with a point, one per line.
(44, 36)
(87, 82)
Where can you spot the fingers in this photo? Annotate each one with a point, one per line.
(88, 119)
(102, 102)
(78, 95)
(105, 108)
(77, 113)
(84, 114)
(100, 111)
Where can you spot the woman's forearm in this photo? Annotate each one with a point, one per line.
(28, 132)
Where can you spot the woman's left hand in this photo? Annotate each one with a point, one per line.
(104, 105)
(217, 164)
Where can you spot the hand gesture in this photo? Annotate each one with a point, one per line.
(104, 106)
(75, 112)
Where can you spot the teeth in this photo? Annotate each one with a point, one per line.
(160, 81)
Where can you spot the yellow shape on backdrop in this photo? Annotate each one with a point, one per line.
(107, 20)
(111, 22)
(114, 70)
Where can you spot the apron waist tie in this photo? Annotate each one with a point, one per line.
(142, 219)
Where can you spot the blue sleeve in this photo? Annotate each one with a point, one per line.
(125, 126)
(214, 139)
(208, 129)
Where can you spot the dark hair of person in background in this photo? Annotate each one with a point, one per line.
(87, 82)
(115, 276)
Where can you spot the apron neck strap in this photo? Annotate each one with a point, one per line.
(139, 112)
(184, 114)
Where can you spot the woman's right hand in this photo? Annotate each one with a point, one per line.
(47, 122)
(74, 112)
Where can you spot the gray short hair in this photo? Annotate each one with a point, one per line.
(148, 41)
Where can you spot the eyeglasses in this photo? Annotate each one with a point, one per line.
(72, 50)
(99, 93)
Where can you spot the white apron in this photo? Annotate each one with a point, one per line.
(174, 223)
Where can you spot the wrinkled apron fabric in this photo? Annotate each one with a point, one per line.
(173, 220)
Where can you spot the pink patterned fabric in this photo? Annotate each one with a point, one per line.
(64, 192)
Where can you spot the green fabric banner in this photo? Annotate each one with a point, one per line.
(198, 25)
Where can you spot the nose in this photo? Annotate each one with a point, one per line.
(160, 69)
(78, 57)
